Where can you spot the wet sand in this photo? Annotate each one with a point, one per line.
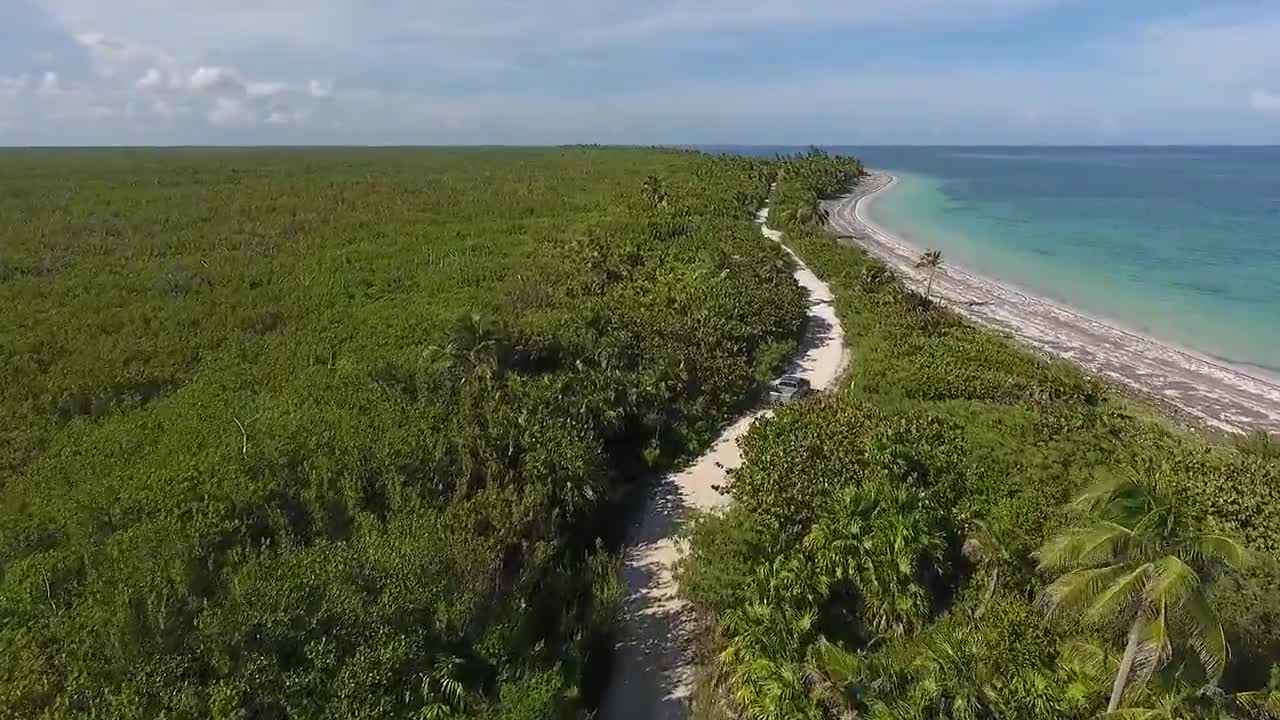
(654, 661)
(1208, 391)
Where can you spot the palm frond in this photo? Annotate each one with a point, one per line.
(1263, 703)
(1100, 542)
(1077, 590)
(1217, 548)
(1136, 714)
(1101, 493)
(1087, 658)
(1118, 595)
(1155, 523)
(1157, 573)
(835, 662)
(1172, 581)
(1155, 647)
(828, 675)
(1148, 488)
(1205, 635)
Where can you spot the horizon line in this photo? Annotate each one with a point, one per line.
(227, 146)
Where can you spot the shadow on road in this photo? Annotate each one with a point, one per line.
(652, 647)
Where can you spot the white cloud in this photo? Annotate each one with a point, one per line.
(466, 37)
(318, 89)
(230, 112)
(1264, 101)
(13, 85)
(49, 86)
(215, 80)
(157, 80)
(167, 109)
(287, 117)
(152, 80)
(112, 57)
(264, 89)
(499, 70)
(171, 88)
(99, 112)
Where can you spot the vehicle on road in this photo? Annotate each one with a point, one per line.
(787, 389)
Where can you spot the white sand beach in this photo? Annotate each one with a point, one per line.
(1212, 392)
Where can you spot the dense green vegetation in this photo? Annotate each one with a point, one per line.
(339, 433)
(968, 530)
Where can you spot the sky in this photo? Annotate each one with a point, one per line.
(428, 72)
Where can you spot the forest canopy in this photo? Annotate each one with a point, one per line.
(347, 434)
(338, 433)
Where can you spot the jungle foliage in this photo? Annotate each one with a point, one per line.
(339, 433)
(944, 536)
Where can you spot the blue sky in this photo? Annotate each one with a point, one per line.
(619, 71)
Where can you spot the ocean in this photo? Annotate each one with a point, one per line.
(1181, 244)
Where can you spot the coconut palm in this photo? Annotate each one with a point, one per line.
(1140, 564)
(1164, 706)
(1260, 703)
(931, 259)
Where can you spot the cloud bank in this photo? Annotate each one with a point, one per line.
(668, 71)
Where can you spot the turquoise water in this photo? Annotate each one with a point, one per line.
(1182, 244)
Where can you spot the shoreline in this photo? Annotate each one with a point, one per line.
(1205, 389)
(1254, 371)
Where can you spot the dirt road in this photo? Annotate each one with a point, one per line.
(653, 665)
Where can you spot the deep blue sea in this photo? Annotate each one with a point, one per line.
(1182, 243)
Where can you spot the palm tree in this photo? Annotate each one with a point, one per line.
(476, 348)
(931, 259)
(951, 675)
(1261, 703)
(830, 672)
(1164, 706)
(653, 191)
(988, 549)
(765, 638)
(444, 695)
(885, 540)
(1142, 565)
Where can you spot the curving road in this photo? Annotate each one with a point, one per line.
(653, 663)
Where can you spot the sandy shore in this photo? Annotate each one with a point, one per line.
(1214, 393)
(654, 660)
